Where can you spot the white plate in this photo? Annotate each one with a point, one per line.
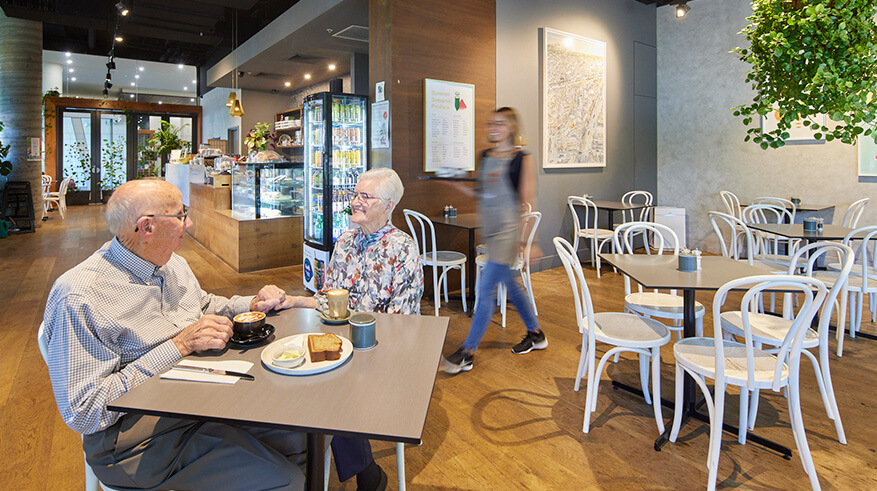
(308, 367)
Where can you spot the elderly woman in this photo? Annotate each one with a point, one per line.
(380, 266)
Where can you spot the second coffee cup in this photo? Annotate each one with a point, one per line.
(337, 299)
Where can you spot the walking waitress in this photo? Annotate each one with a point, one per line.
(506, 181)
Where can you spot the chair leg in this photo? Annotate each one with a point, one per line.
(462, 285)
(477, 282)
(445, 283)
(831, 401)
(579, 373)
(656, 387)
(798, 430)
(400, 464)
(677, 406)
(436, 284)
(590, 392)
(841, 320)
(503, 302)
(698, 327)
(716, 435)
(644, 376)
(743, 420)
(753, 410)
(327, 459)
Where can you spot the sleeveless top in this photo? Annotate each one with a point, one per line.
(500, 210)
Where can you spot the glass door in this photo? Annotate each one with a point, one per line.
(113, 151)
(76, 157)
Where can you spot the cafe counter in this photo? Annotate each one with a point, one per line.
(245, 244)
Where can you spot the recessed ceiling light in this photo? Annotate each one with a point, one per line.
(67, 54)
(136, 76)
(180, 66)
(72, 79)
(140, 68)
(287, 84)
(132, 84)
(332, 66)
(307, 76)
(70, 70)
(185, 88)
(69, 61)
(119, 39)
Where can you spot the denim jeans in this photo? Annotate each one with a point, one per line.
(492, 275)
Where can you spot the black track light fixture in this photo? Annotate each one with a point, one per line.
(111, 65)
(109, 76)
(106, 92)
(682, 9)
(108, 85)
(123, 9)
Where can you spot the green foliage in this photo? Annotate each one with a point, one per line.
(260, 137)
(146, 158)
(810, 58)
(167, 138)
(81, 155)
(5, 165)
(112, 164)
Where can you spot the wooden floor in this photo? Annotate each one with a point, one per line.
(514, 422)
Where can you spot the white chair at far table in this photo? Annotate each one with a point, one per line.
(654, 303)
(727, 229)
(59, 198)
(732, 204)
(746, 366)
(522, 263)
(423, 233)
(91, 481)
(46, 183)
(770, 330)
(626, 332)
(590, 231)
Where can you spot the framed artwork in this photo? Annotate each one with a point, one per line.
(573, 100)
(867, 156)
(798, 133)
(449, 126)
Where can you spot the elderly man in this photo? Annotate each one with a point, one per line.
(130, 311)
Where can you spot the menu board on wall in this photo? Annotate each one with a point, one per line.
(449, 126)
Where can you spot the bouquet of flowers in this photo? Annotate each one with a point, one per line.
(259, 138)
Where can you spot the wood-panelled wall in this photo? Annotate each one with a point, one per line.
(411, 40)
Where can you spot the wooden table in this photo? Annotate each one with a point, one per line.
(469, 222)
(796, 231)
(379, 394)
(610, 207)
(654, 271)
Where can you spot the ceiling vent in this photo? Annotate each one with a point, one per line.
(354, 32)
(266, 75)
(308, 60)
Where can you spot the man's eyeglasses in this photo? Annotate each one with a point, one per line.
(363, 196)
(183, 215)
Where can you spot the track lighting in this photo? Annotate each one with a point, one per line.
(108, 85)
(682, 9)
(122, 8)
(109, 76)
(111, 65)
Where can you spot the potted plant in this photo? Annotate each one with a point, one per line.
(167, 138)
(259, 138)
(810, 59)
(113, 171)
(5, 165)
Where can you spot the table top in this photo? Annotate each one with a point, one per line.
(382, 393)
(809, 207)
(796, 231)
(615, 205)
(660, 271)
(464, 220)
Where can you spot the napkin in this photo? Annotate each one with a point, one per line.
(233, 365)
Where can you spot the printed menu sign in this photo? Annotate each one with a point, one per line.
(449, 119)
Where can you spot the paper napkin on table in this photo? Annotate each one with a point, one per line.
(233, 365)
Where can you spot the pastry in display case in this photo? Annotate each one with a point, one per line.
(267, 188)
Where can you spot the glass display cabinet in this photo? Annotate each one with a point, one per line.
(267, 190)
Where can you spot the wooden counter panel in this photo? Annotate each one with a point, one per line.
(245, 245)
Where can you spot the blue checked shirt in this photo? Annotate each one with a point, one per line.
(109, 324)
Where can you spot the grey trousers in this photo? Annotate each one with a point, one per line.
(149, 452)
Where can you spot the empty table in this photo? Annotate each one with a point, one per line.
(381, 394)
(469, 222)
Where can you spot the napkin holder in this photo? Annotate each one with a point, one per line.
(811, 224)
(689, 260)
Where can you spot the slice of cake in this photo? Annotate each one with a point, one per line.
(324, 347)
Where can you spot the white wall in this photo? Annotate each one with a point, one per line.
(217, 121)
(700, 143)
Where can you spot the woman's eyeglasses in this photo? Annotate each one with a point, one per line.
(363, 196)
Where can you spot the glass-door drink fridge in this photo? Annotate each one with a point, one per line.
(336, 153)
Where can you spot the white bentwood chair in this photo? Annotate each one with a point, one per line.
(732, 204)
(746, 366)
(91, 481)
(522, 264)
(59, 198)
(423, 233)
(771, 330)
(590, 231)
(626, 332)
(654, 303)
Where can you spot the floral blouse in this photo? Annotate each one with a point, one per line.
(382, 271)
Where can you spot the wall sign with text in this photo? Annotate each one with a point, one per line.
(449, 125)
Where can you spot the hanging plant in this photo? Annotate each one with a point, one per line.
(260, 137)
(809, 58)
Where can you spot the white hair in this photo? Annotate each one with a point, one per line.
(388, 186)
(132, 200)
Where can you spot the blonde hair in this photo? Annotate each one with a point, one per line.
(512, 116)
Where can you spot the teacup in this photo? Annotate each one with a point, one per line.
(337, 299)
(247, 324)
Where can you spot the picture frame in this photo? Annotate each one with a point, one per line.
(799, 134)
(573, 100)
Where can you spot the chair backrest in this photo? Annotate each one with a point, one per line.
(766, 213)
(663, 237)
(581, 294)
(732, 204)
(62, 188)
(726, 228)
(528, 234)
(590, 209)
(789, 351)
(854, 212)
(423, 233)
(47, 181)
(637, 197)
(42, 342)
(866, 235)
(780, 202)
(813, 252)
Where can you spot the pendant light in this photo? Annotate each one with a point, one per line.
(234, 104)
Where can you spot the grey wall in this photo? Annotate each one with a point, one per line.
(700, 143)
(628, 29)
(217, 121)
(297, 98)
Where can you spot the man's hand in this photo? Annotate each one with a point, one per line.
(208, 332)
(270, 298)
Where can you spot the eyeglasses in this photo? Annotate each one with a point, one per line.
(183, 215)
(363, 196)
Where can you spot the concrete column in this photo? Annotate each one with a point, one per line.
(21, 76)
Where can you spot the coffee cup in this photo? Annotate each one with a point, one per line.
(247, 324)
(337, 299)
(362, 331)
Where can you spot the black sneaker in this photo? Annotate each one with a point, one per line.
(460, 361)
(533, 340)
